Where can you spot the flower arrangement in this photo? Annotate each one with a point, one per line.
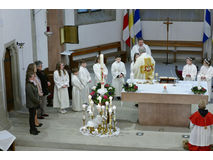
(198, 90)
(110, 93)
(130, 87)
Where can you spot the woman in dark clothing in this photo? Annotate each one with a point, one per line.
(32, 101)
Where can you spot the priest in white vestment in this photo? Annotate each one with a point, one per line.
(189, 70)
(135, 48)
(118, 70)
(97, 71)
(206, 74)
(61, 96)
(85, 79)
(144, 66)
(76, 91)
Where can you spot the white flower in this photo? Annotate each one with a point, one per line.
(199, 87)
(110, 88)
(94, 88)
(130, 84)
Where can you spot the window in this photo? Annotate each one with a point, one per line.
(191, 15)
(91, 16)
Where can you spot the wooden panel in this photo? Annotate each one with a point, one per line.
(8, 81)
(163, 98)
(174, 43)
(164, 114)
(55, 20)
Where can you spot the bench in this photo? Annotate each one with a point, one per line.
(97, 49)
(175, 45)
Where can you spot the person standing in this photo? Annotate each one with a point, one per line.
(206, 74)
(189, 70)
(44, 85)
(97, 71)
(85, 79)
(76, 91)
(132, 64)
(118, 71)
(144, 66)
(61, 96)
(201, 123)
(32, 101)
(135, 48)
(32, 68)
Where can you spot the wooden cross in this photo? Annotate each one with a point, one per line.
(167, 39)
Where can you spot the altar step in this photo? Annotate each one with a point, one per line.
(126, 111)
(61, 132)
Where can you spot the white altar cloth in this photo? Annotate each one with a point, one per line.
(6, 139)
(181, 87)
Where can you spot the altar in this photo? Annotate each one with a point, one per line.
(164, 104)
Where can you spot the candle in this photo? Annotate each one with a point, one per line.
(99, 98)
(102, 107)
(89, 97)
(84, 106)
(84, 117)
(98, 108)
(114, 110)
(110, 111)
(101, 60)
(92, 103)
(110, 100)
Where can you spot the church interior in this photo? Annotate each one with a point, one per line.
(72, 35)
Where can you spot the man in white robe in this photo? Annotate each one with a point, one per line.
(97, 71)
(144, 66)
(85, 79)
(189, 70)
(206, 74)
(135, 48)
(118, 70)
(61, 96)
(77, 91)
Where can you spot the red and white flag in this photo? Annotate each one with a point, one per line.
(126, 36)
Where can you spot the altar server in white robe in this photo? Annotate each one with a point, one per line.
(132, 64)
(85, 79)
(144, 66)
(189, 70)
(76, 91)
(206, 74)
(135, 48)
(118, 71)
(201, 124)
(61, 96)
(97, 71)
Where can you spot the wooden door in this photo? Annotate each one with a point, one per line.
(8, 81)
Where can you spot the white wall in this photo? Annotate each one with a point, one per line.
(95, 34)
(16, 25)
(100, 33)
(41, 38)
